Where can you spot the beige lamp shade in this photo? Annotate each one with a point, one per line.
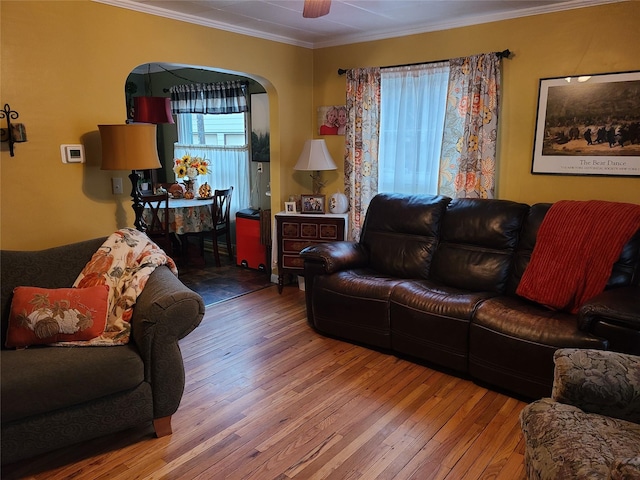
(315, 156)
(129, 147)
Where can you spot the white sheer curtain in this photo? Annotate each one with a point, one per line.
(229, 166)
(411, 127)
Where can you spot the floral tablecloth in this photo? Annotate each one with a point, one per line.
(187, 216)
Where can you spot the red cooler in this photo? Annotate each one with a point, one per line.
(249, 252)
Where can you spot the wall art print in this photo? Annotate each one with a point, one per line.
(588, 125)
(260, 136)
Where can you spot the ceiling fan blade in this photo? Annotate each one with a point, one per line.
(316, 8)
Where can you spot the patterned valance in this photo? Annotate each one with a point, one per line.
(214, 98)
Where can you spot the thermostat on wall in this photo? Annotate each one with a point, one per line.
(72, 153)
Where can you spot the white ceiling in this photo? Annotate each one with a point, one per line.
(349, 21)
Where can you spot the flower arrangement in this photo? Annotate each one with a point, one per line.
(190, 167)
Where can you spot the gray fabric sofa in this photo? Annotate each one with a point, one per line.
(53, 397)
(590, 427)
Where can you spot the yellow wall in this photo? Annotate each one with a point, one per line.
(584, 41)
(63, 67)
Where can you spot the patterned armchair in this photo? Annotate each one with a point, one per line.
(590, 428)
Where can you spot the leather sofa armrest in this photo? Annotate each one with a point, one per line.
(598, 381)
(334, 256)
(619, 306)
(165, 311)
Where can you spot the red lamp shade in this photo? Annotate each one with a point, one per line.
(152, 110)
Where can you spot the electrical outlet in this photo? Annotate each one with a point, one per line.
(259, 167)
(116, 184)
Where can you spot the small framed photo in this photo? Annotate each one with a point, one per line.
(313, 203)
(290, 207)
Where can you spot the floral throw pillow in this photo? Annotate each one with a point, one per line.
(41, 316)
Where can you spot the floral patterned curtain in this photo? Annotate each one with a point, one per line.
(215, 98)
(361, 143)
(468, 161)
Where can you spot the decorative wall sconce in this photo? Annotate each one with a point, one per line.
(15, 132)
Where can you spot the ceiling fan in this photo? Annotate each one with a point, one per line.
(316, 8)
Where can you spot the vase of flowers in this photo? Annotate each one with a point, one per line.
(187, 169)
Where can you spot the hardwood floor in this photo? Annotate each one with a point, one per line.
(216, 284)
(269, 398)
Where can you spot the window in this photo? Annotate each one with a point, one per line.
(221, 139)
(412, 108)
(216, 130)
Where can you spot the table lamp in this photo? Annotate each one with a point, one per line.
(152, 110)
(315, 157)
(130, 147)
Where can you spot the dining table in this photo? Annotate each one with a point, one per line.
(187, 215)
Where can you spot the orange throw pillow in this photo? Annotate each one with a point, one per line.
(41, 316)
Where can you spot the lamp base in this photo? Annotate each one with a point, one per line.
(318, 184)
(136, 198)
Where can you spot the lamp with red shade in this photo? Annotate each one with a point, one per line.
(152, 110)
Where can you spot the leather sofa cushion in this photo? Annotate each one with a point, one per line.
(526, 244)
(626, 270)
(431, 322)
(437, 300)
(477, 244)
(528, 321)
(353, 304)
(400, 232)
(512, 341)
(43, 379)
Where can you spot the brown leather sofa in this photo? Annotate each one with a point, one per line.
(434, 279)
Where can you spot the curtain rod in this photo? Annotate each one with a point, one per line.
(503, 54)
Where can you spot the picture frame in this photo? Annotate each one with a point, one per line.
(332, 119)
(290, 207)
(260, 141)
(588, 125)
(315, 203)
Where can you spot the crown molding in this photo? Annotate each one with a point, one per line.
(357, 38)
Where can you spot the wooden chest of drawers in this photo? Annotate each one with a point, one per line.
(296, 231)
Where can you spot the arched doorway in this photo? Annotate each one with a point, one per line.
(155, 79)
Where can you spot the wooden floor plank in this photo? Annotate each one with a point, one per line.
(266, 397)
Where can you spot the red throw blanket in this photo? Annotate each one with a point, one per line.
(577, 245)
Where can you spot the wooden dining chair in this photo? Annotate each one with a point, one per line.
(221, 221)
(157, 208)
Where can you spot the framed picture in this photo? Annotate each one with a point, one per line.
(588, 125)
(313, 203)
(260, 149)
(290, 207)
(332, 120)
